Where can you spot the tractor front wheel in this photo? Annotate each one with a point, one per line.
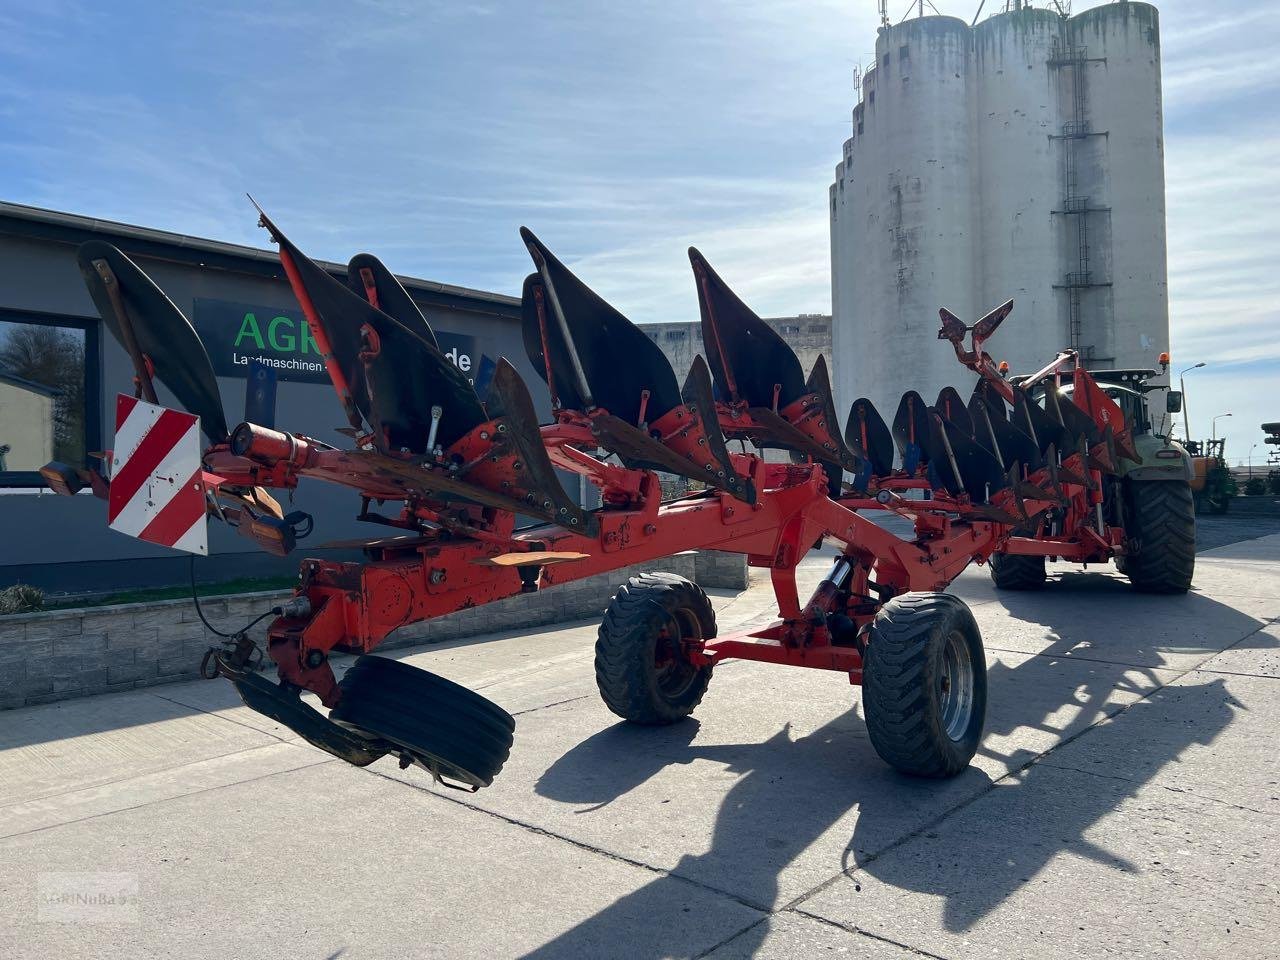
(1160, 524)
(643, 666)
(452, 732)
(924, 684)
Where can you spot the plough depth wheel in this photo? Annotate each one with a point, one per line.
(451, 731)
(643, 668)
(925, 684)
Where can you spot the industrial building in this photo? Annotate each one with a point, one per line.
(60, 372)
(808, 334)
(1021, 158)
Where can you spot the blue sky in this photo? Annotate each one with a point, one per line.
(428, 131)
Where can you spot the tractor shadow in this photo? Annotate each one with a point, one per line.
(792, 793)
(1099, 617)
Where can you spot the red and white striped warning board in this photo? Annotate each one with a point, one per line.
(156, 493)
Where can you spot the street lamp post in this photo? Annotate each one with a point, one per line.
(1215, 423)
(1186, 417)
(1250, 461)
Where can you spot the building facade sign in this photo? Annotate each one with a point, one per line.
(236, 334)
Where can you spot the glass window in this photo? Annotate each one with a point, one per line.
(46, 412)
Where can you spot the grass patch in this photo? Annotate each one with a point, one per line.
(225, 588)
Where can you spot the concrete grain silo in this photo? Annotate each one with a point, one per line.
(1022, 157)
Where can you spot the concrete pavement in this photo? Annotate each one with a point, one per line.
(1124, 801)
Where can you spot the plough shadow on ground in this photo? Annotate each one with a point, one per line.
(790, 793)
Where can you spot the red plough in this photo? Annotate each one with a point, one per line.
(1000, 473)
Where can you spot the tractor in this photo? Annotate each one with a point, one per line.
(1212, 484)
(1144, 492)
(1150, 499)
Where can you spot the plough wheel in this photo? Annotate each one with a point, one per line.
(450, 731)
(924, 684)
(1012, 571)
(643, 668)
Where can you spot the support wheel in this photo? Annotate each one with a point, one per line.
(1161, 528)
(924, 684)
(1012, 571)
(450, 731)
(643, 669)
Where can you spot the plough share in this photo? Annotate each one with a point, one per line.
(1008, 473)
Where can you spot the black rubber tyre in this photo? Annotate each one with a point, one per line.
(642, 668)
(1161, 530)
(924, 684)
(1012, 571)
(452, 732)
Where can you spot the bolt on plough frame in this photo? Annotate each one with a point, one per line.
(1000, 473)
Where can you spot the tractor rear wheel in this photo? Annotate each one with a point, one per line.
(452, 732)
(643, 667)
(1014, 571)
(924, 684)
(1161, 530)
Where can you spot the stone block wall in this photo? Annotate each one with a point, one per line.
(59, 654)
(712, 568)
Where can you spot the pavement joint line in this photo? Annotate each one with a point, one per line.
(531, 671)
(1217, 800)
(1119, 663)
(1262, 626)
(548, 706)
(1163, 786)
(581, 845)
(851, 928)
(219, 716)
(182, 796)
(734, 936)
(134, 776)
(1049, 762)
(1233, 596)
(1235, 673)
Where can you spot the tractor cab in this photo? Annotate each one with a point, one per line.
(1128, 388)
(1131, 401)
(1161, 456)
